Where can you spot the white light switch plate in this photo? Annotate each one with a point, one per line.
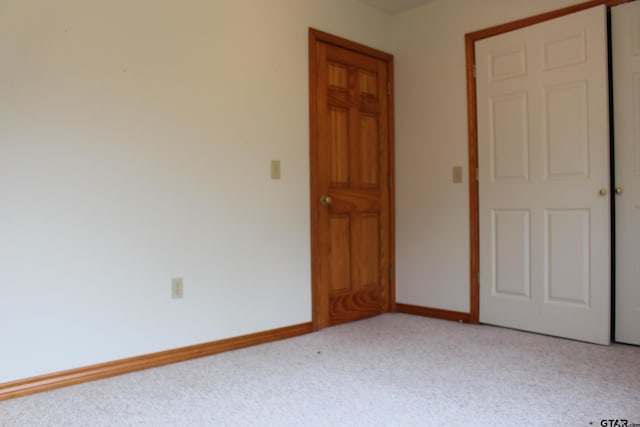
(275, 169)
(457, 174)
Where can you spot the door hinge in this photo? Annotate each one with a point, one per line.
(474, 71)
(388, 88)
(390, 181)
(391, 273)
(478, 277)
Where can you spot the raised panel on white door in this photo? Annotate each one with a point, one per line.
(564, 51)
(635, 250)
(512, 264)
(636, 123)
(566, 257)
(567, 130)
(509, 137)
(507, 64)
(635, 37)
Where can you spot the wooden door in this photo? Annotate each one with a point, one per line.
(625, 33)
(543, 158)
(351, 197)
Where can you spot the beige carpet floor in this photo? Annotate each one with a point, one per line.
(391, 370)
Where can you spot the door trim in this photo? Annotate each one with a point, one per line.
(319, 305)
(472, 120)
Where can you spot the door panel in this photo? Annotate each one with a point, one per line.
(369, 151)
(542, 105)
(350, 184)
(626, 106)
(510, 252)
(567, 130)
(340, 243)
(510, 144)
(338, 155)
(566, 256)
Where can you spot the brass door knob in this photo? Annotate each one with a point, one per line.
(325, 200)
(602, 192)
(618, 191)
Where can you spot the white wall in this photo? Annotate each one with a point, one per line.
(135, 144)
(431, 137)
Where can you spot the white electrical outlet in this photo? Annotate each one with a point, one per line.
(177, 288)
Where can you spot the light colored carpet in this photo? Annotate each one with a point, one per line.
(391, 370)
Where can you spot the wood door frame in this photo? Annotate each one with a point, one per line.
(320, 309)
(472, 120)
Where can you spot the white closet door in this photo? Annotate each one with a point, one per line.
(543, 153)
(625, 34)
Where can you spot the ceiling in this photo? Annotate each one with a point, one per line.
(396, 6)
